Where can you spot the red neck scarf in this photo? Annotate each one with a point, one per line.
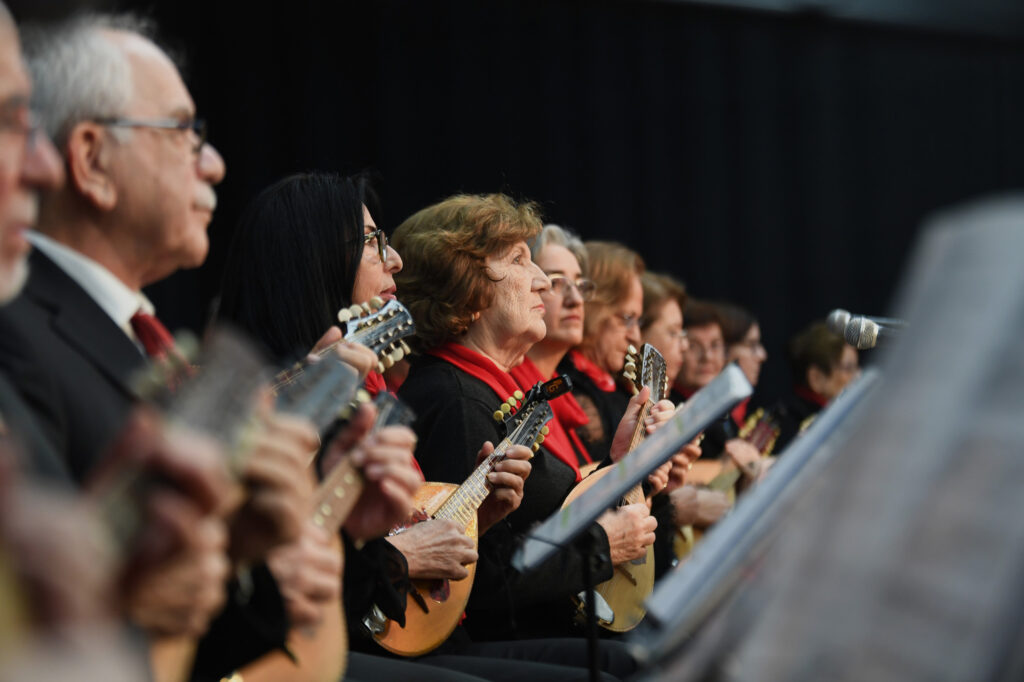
(569, 416)
(739, 413)
(374, 384)
(810, 396)
(685, 392)
(479, 367)
(602, 379)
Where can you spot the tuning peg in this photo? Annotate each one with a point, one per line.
(356, 310)
(365, 307)
(377, 302)
(630, 366)
(397, 354)
(506, 408)
(535, 447)
(633, 350)
(499, 416)
(380, 368)
(344, 315)
(539, 440)
(363, 396)
(388, 361)
(518, 394)
(545, 430)
(405, 347)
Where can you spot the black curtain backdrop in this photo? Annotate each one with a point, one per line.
(781, 161)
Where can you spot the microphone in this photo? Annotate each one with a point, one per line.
(864, 332)
(838, 321)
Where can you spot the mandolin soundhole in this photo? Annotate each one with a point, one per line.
(440, 590)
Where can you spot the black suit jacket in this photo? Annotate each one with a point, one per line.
(70, 362)
(73, 368)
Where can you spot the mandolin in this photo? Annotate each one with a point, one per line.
(319, 654)
(625, 592)
(435, 607)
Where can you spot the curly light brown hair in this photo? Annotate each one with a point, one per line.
(444, 248)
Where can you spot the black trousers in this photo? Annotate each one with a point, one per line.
(541, 660)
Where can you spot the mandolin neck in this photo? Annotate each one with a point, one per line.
(336, 495)
(462, 504)
(636, 493)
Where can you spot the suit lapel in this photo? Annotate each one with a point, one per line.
(86, 327)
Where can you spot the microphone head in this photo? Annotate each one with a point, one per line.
(837, 321)
(861, 333)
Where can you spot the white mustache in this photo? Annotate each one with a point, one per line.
(207, 200)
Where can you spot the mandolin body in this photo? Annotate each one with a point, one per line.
(632, 581)
(445, 600)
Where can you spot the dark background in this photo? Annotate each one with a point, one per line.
(780, 159)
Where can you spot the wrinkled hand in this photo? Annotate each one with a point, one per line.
(308, 573)
(173, 579)
(59, 551)
(745, 455)
(356, 355)
(506, 484)
(659, 413)
(682, 462)
(390, 479)
(435, 549)
(698, 507)
(630, 531)
(279, 485)
(181, 595)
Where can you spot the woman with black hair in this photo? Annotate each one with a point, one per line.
(296, 259)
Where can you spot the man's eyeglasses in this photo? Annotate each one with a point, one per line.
(561, 285)
(196, 125)
(382, 242)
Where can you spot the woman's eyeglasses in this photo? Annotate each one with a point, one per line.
(382, 242)
(561, 285)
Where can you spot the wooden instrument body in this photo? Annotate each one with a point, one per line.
(321, 652)
(633, 581)
(446, 600)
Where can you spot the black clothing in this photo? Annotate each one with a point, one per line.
(603, 408)
(35, 453)
(790, 414)
(76, 373)
(454, 418)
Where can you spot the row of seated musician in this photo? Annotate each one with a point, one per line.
(499, 303)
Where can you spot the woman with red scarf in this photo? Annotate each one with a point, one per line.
(478, 301)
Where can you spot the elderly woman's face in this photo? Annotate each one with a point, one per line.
(619, 329)
(564, 311)
(516, 315)
(666, 334)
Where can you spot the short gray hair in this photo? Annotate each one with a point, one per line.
(77, 73)
(559, 236)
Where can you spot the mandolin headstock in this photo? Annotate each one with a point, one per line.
(525, 416)
(381, 327)
(646, 367)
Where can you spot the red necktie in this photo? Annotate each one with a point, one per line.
(153, 335)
